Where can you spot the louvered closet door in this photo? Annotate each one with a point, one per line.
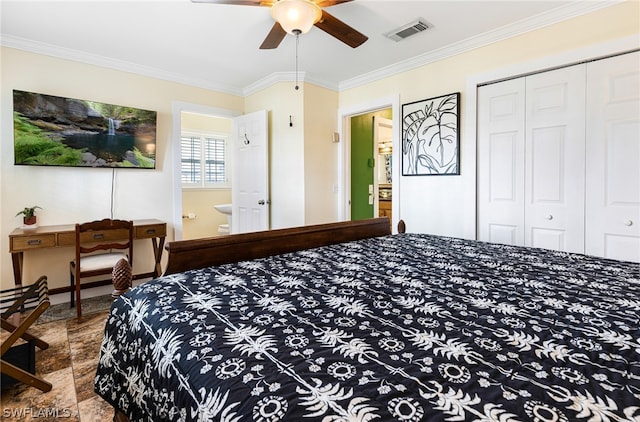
(613, 158)
(501, 162)
(555, 159)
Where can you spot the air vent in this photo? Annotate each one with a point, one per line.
(408, 30)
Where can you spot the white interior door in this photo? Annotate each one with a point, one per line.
(613, 158)
(501, 162)
(555, 159)
(250, 180)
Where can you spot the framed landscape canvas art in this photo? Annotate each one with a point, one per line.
(430, 136)
(58, 131)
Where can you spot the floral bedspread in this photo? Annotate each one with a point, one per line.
(406, 327)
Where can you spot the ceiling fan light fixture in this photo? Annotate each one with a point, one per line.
(296, 16)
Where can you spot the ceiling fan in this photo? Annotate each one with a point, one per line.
(297, 17)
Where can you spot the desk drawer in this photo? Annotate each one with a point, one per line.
(35, 241)
(153, 230)
(99, 236)
(67, 239)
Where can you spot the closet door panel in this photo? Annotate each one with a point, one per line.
(547, 187)
(501, 162)
(613, 158)
(554, 160)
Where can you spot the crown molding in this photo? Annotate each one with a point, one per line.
(533, 23)
(106, 62)
(272, 79)
(277, 77)
(559, 14)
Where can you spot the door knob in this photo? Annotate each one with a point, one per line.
(549, 217)
(628, 223)
(261, 202)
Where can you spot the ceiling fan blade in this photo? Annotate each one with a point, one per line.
(274, 38)
(327, 3)
(237, 2)
(345, 33)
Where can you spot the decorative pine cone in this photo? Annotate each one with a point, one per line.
(121, 277)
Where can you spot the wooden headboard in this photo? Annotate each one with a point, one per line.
(200, 253)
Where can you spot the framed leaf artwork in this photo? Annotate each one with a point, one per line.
(431, 136)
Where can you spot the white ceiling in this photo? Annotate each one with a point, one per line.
(216, 46)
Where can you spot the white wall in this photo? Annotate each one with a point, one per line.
(69, 195)
(446, 204)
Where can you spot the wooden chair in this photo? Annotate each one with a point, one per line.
(14, 304)
(99, 245)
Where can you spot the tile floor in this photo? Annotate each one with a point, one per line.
(69, 364)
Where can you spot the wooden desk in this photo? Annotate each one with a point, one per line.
(21, 240)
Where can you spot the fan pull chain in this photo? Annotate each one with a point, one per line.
(297, 32)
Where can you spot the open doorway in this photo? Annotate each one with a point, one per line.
(193, 214)
(205, 171)
(371, 171)
(376, 165)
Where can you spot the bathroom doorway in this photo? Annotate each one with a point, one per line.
(194, 208)
(205, 172)
(391, 106)
(370, 164)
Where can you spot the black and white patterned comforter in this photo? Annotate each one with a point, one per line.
(399, 328)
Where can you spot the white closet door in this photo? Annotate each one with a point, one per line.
(501, 162)
(555, 159)
(613, 158)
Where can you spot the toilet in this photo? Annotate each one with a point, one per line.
(224, 229)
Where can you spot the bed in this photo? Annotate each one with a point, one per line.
(346, 322)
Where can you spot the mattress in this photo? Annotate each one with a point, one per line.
(406, 327)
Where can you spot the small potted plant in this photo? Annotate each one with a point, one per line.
(29, 215)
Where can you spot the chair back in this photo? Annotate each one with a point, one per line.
(104, 235)
(23, 298)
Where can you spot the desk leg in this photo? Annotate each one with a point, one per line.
(157, 253)
(17, 258)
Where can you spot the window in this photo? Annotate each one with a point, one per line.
(204, 161)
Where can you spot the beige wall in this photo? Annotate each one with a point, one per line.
(68, 195)
(446, 204)
(303, 158)
(200, 202)
(321, 168)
